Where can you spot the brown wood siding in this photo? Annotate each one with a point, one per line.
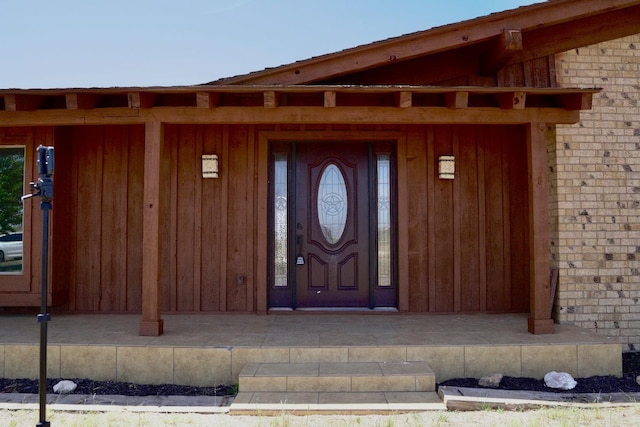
(419, 165)
(467, 236)
(518, 220)
(98, 218)
(458, 68)
(209, 222)
(471, 237)
(212, 210)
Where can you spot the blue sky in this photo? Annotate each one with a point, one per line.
(106, 43)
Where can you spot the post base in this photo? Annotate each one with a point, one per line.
(540, 326)
(151, 328)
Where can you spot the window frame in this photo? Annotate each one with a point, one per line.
(12, 282)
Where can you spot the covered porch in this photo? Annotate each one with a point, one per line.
(206, 350)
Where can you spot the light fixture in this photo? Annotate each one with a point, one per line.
(209, 165)
(446, 167)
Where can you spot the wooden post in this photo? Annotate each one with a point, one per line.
(540, 321)
(151, 323)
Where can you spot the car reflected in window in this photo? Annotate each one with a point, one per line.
(12, 177)
(10, 252)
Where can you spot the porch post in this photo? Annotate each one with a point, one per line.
(151, 323)
(540, 321)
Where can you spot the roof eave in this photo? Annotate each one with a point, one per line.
(449, 37)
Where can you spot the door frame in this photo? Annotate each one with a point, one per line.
(264, 138)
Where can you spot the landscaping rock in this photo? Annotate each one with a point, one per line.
(561, 380)
(64, 387)
(492, 381)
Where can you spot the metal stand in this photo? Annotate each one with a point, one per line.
(44, 317)
(43, 188)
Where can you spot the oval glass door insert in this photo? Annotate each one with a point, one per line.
(332, 204)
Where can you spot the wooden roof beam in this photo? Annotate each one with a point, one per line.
(456, 99)
(270, 99)
(140, 99)
(577, 101)
(577, 33)
(404, 99)
(15, 102)
(330, 98)
(513, 100)
(81, 101)
(293, 115)
(501, 51)
(207, 99)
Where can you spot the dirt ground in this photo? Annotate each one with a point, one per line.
(603, 415)
(618, 416)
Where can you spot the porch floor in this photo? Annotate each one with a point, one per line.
(211, 349)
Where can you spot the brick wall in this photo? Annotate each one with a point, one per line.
(595, 194)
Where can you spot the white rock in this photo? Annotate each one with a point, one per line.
(490, 381)
(64, 387)
(561, 380)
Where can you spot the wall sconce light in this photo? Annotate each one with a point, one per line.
(446, 167)
(209, 165)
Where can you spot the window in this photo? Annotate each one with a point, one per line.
(11, 208)
(332, 204)
(280, 211)
(383, 204)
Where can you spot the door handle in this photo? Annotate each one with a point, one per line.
(299, 258)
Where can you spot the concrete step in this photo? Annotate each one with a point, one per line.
(336, 403)
(337, 377)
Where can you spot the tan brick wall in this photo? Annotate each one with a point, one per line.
(595, 194)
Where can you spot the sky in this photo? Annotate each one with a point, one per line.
(130, 43)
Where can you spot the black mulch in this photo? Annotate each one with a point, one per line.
(117, 388)
(600, 384)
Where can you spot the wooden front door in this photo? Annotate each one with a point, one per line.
(332, 225)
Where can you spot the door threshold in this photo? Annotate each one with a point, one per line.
(337, 309)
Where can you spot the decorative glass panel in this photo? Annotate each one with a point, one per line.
(11, 190)
(280, 220)
(384, 220)
(332, 204)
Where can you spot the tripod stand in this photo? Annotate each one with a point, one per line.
(43, 188)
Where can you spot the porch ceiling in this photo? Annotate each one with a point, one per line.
(293, 104)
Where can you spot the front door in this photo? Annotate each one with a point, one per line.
(333, 239)
(332, 225)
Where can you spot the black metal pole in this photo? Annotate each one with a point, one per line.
(43, 188)
(44, 317)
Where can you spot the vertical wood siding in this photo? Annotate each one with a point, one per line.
(467, 244)
(455, 68)
(97, 244)
(468, 236)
